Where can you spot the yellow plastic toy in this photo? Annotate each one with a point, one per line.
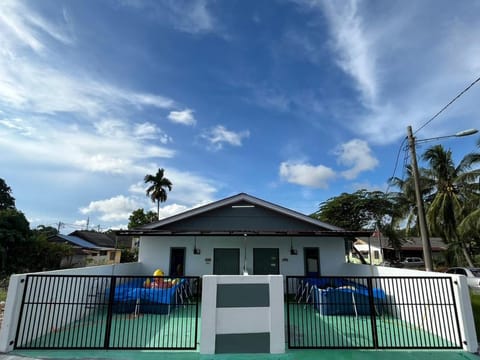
(158, 272)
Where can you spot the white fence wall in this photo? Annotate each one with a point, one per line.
(235, 319)
(62, 290)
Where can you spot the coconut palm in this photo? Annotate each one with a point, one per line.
(455, 188)
(406, 199)
(157, 190)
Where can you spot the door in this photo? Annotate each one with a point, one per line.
(265, 261)
(177, 261)
(312, 262)
(226, 261)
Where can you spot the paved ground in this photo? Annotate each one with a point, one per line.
(291, 355)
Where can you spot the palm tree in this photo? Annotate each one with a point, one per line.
(157, 190)
(406, 199)
(455, 188)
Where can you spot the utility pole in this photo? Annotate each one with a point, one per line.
(60, 225)
(427, 248)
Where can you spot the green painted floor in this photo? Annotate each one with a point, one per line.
(289, 355)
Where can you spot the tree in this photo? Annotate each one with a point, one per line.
(157, 190)
(139, 218)
(407, 200)
(7, 201)
(14, 230)
(361, 210)
(456, 189)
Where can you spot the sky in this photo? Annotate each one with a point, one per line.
(291, 101)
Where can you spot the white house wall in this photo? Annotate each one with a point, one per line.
(154, 252)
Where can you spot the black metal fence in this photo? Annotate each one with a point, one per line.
(372, 312)
(108, 312)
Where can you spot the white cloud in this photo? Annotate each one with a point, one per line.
(117, 208)
(352, 45)
(219, 135)
(191, 16)
(184, 15)
(150, 131)
(72, 146)
(184, 117)
(28, 82)
(27, 27)
(306, 174)
(138, 188)
(358, 156)
(170, 210)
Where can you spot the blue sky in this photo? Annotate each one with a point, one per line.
(290, 101)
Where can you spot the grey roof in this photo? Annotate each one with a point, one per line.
(235, 199)
(94, 237)
(185, 223)
(79, 242)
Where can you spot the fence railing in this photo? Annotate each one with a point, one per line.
(108, 312)
(372, 312)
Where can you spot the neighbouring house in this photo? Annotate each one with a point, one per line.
(242, 234)
(371, 252)
(88, 249)
(381, 250)
(413, 247)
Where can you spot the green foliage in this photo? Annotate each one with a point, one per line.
(129, 255)
(361, 210)
(139, 218)
(7, 201)
(456, 190)
(14, 230)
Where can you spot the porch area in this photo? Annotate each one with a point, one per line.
(71, 312)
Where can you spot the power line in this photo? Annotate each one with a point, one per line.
(396, 164)
(446, 106)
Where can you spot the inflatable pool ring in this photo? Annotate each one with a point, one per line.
(160, 282)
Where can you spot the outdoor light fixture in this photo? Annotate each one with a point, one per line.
(196, 251)
(427, 247)
(292, 250)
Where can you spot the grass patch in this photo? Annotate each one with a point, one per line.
(3, 294)
(475, 298)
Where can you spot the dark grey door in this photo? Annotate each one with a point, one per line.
(312, 262)
(265, 261)
(177, 261)
(226, 261)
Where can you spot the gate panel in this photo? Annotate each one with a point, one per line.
(372, 312)
(108, 312)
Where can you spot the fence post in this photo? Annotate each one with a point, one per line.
(373, 312)
(108, 325)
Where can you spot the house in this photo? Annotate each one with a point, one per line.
(242, 234)
(371, 252)
(327, 305)
(88, 249)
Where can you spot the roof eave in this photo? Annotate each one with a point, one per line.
(318, 233)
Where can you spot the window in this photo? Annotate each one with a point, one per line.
(112, 256)
(103, 253)
(376, 255)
